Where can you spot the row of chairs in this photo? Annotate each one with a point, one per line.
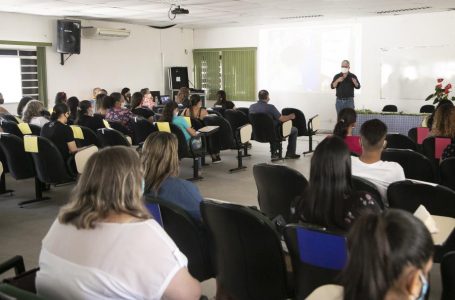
(427, 108)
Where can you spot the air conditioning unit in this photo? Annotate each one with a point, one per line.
(105, 33)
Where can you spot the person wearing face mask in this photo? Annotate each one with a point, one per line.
(369, 165)
(344, 83)
(86, 118)
(390, 257)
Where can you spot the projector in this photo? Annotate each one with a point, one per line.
(180, 11)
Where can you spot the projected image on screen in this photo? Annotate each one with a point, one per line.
(306, 59)
(10, 78)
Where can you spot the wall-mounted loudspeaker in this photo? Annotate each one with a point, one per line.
(69, 36)
(178, 77)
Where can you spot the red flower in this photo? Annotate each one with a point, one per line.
(449, 86)
(439, 86)
(440, 80)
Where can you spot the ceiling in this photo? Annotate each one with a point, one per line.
(215, 13)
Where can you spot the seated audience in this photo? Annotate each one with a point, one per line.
(127, 96)
(263, 106)
(195, 109)
(170, 114)
(59, 132)
(222, 102)
(147, 100)
(161, 167)
(138, 109)
(2, 109)
(430, 119)
(444, 122)
(347, 119)
(390, 257)
(21, 105)
(369, 165)
(33, 113)
(182, 97)
(117, 113)
(104, 243)
(73, 104)
(60, 97)
(86, 118)
(329, 200)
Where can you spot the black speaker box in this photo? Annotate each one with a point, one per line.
(178, 77)
(69, 36)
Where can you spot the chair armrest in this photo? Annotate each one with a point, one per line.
(286, 128)
(311, 124)
(82, 156)
(16, 263)
(244, 133)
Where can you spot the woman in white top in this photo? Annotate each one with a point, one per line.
(32, 113)
(104, 244)
(390, 256)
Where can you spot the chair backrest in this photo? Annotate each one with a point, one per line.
(390, 108)
(399, 141)
(36, 130)
(191, 238)
(264, 129)
(433, 147)
(278, 189)
(415, 165)
(249, 260)
(408, 195)
(361, 184)
(112, 137)
(317, 257)
(20, 163)
(119, 127)
(10, 118)
(447, 172)
(224, 134)
(299, 122)
(49, 164)
(428, 108)
(183, 149)
(142, 128)
(220, 110)
(11, 127)
(236, 118)
(448, 276)
(86, 137)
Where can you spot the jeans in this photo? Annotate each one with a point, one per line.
(292, 143)
(346, 102)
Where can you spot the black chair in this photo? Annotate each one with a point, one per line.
(317, 256)
(415, 165)
(265, 131)
(447, 172)
(213, 112)
(20, 164)
(50, 166)
(399, 141)
(11, 127)
(278, 190)
(429, 149)
(437, 199)
(220, 110)
(236, 118)
(189, 236)
(303, 128)
(448, 276)
(390, 108)
(22, 285)
(428, 109)
(249, 260)
(412, 134)
(226, 139)
(244, 110)
(88, 138)
(119, 127)
(360, 184)
(9, 117)
(112, 137)
(142, 128)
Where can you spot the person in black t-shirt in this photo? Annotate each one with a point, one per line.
(138, 109)
(59, 133)
(86, 117)
(345, 83)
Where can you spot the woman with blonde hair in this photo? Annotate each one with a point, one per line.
(161, 167)
(443, 123)
(33, 113)
(97, 247)
(183, 97)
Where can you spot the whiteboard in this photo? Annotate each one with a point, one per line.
(411, 72)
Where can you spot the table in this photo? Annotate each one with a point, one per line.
(396, 123)
(445, 226)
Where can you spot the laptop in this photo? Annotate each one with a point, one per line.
(164, 99)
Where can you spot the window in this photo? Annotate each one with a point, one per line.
(23, 74)
(230, 69)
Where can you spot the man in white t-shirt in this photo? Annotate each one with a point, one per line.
(369, 165)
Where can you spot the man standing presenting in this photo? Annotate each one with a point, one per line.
(344, 83)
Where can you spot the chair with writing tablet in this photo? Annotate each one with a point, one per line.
(9, 117)
(112, 137)
(437, 199)
(399, 141)
(317, 256)
(304, 129)
(142, 128)
(415, 165)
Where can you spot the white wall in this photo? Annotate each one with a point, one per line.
(136, 62)
(377, 32)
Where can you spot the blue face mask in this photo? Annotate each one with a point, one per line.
(425, 285)
(143, 186)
